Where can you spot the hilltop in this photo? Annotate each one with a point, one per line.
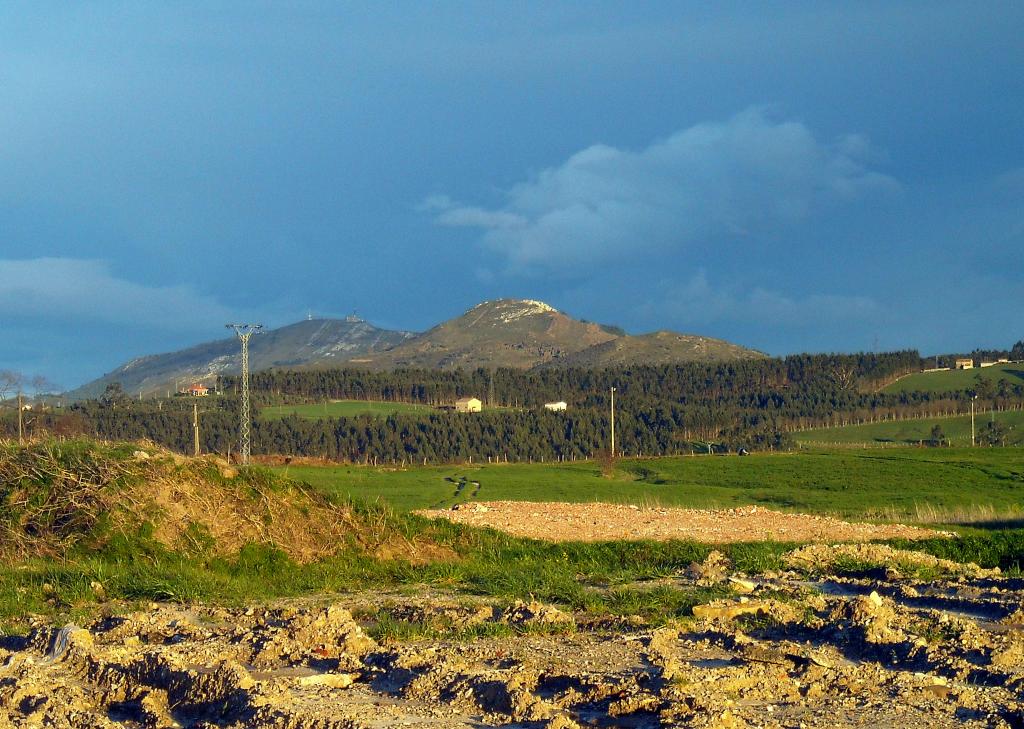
(519, 333)
(524, 333)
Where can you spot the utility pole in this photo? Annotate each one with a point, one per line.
(21, 420)
(613, 422)
(244, 332)
(195, 428)
(973, 398)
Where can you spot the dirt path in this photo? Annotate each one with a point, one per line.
(842, 652)
(591, 522)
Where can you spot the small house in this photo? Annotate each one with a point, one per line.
(556, 407)
(964, 364)
(198, 390)
(468, 405)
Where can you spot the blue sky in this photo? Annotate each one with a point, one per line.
(794, 177)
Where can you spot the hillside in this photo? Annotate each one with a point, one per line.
(522, 333)
(956, 430)
(957, 380)
(316, 342)
(656, 348)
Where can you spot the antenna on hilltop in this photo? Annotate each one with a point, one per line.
(244, 332)
(309, 315)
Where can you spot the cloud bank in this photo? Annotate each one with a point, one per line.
(84, 290)
(696, 301)
(742, 177)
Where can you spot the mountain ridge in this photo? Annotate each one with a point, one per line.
(329, 341)
(520, 333)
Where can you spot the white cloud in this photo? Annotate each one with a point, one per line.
(698, 302)
(79, 290)
(741, 177)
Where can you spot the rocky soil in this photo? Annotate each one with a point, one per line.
(601, 522)
(800, 648)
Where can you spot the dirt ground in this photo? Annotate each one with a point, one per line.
(596, 522)
(783, 650)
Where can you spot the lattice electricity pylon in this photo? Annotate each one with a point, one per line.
(244, 331)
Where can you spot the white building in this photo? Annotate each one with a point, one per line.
(468, 405)
(556, 407)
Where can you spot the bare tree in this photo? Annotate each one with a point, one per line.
(845, 376)
(11, 383)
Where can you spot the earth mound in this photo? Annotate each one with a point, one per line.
(57, 496)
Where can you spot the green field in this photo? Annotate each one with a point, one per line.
(951, 380)
(342, 409)
(133, 567)
(956, 429)
(893, 483)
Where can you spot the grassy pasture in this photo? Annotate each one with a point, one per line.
(882, 484)
(953, 380)
(342, 409)
(599, 577)
(957, 430)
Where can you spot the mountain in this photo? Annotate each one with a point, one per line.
(505, 333)
(314, 342)
(524, 333)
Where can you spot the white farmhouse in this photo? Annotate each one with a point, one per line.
(468, 405)
(556, 407)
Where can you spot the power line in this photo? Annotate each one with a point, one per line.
(244, 332)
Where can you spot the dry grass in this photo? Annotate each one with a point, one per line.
(56, 496)
(980, 515)
(234, 512)
(47, 502)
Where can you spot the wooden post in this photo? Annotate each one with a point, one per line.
(195, 428)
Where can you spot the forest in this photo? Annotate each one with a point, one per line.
(660, 410)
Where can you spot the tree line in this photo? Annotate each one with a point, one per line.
(660, 409)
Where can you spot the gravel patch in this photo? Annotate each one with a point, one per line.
(556, 521)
